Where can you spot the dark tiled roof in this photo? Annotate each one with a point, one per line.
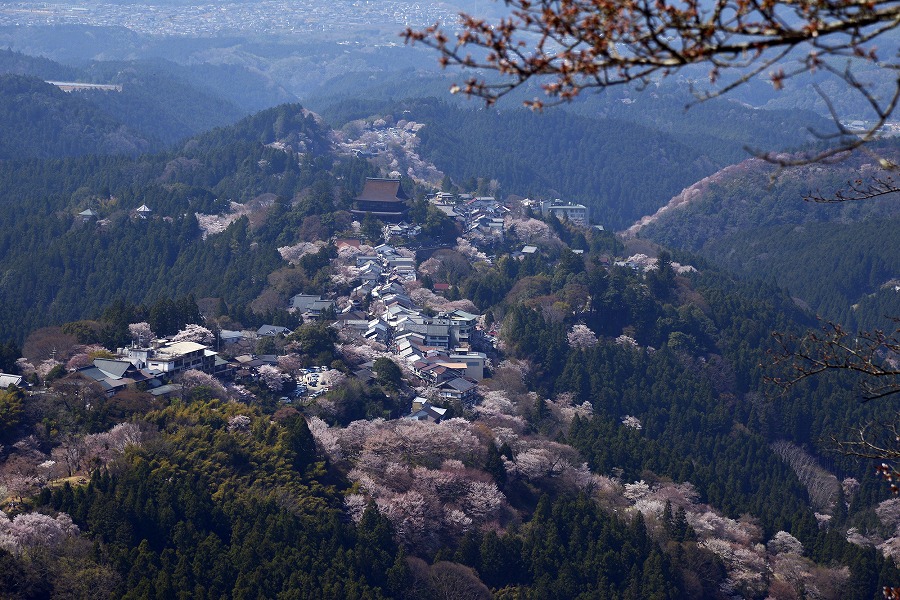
(459, 384)
(382, 190)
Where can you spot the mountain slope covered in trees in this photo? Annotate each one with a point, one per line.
(58, 268)
(839, 259)
(40, 120)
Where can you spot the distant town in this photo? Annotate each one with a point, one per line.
(266, 17)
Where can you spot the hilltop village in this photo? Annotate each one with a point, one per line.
(393, 298)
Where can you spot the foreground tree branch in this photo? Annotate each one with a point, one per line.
(873, 355)
(575, 45)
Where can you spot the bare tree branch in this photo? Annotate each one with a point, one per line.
(873, 355)
(576, 45)
(857, 190)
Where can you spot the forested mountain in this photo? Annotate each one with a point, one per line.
(839, 259)
(655, 380)
(58, 269)
(40, 120)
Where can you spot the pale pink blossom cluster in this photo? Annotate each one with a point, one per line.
(547, 463)
(429, 505)
(565, 410)
(332, 378)
(141, 332)
(430, 267)
(632, 422)
(239, 423)
(45, 366)
(427, 299)
(823, 487)
(784, 543)
(290, 363)
(240, 393)
(212, 224)
(100, 449)
(416, 473)
(359, 351)
(343, 274)
(83, 356)
(24, 367)
(197, 334)
(293, 254)
(528, 230)
(746, 567)
(193, 378)
(497, 411)
(32, 530)
(465, 247)
(272, 377)
(627, 341)
(581, 337)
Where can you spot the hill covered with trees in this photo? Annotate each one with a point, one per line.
(839, 259)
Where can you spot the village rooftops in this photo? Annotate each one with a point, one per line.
(273, 330)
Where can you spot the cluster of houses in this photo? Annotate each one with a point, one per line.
(479, 215)
(484, 215)
(439, 348)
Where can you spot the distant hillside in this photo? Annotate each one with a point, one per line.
(160, 99)
(597, 150)
(41, 121)
(159, 104)
(837, 258)
(17, 63)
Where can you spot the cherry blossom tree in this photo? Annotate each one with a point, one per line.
(631, 422)
(528, 230)
(239, 423)
(294, 253)
(195, 333)
(141, 333)
(272, 378)
(31, 530)
(192, 379)
(784, 543)
(581, 337)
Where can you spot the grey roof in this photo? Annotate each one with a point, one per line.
(272, 330)
(113, 368)
(227, 334)
(461, 314)
(166, 389)
(93, 373)
(459, 384)
(307, 302)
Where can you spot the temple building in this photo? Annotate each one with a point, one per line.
(383, 199)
